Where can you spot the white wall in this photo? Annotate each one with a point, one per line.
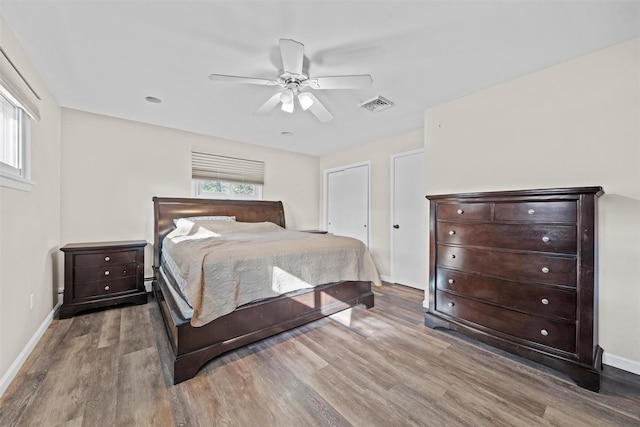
(575, 124)
(111, 168)
(379, 153)
(29, 226)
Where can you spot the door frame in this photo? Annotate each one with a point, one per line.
(325, 194)
(392, 199)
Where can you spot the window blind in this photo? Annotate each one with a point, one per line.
(15, 88)
(230, 169)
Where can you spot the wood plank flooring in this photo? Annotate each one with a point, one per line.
(377, 367)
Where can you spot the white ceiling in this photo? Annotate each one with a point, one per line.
(107, 56)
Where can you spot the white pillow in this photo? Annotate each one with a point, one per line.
(180, 221)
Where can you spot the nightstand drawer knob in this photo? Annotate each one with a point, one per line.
(453, 256)
(452, 232)
(106, 273)
(124, 272)
(546, 239)
(460, 211)
(545, 270)
(544, 301)
(544, 332)
(107, 259)
(531, 211)
(106, 288)
(451, 304)
(451, 281)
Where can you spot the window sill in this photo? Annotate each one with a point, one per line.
(15, 182)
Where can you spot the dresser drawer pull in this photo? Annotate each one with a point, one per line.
(544, 332)
(452, 232)
(453, 256)
(544, 301)
(546, 239)
(106, 273)
(460, 211)
(107, 259)
(124, 272)
(451, 304)
(531, 211)
(106, 288)
(451, 281)
(545, 270)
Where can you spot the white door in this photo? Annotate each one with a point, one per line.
(408, 220)
(348, 202)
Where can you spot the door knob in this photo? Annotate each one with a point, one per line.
(396, 226)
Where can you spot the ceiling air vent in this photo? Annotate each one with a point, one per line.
(376, 104)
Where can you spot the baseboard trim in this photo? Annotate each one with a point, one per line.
(13, 370)
(621, 363)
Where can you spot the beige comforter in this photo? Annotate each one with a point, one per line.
(227, 264)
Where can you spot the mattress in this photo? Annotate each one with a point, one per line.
(183, 306)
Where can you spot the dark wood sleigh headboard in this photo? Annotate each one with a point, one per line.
(166, 209)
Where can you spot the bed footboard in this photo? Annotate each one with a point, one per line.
(194, 347)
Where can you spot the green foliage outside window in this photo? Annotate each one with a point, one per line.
(219, 187)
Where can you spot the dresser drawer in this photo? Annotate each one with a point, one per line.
(464, 211)
(539, 237)
(537, 300)
(516, 266)
(106, 258)
(92, 274)
(551, 333)
(105, 287)
(536, 211)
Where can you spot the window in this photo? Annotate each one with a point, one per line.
(226, 190)
(14, 146)
(221, 177)
(19, 104)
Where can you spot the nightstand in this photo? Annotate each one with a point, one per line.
(102, 274)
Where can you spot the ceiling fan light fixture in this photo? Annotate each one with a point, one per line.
(286, 97)
(288, 107)
(305, 100)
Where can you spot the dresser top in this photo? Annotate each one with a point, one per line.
(104, 245)
(597, 191)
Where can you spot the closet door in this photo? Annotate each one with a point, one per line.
(408, 220)
(347, 202)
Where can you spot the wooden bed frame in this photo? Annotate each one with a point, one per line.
(192, 346)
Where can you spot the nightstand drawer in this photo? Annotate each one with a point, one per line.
(108, 272)
(106, 258)
(105, 287)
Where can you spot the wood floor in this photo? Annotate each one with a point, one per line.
(381, 367)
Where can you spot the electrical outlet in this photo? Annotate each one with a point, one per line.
(31, 302)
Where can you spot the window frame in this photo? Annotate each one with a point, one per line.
(10, 176)
(196, 191)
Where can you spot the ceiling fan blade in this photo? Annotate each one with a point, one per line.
(268, 106)
(319, 110)
(292, 56)
(238, 79)
(361, 81)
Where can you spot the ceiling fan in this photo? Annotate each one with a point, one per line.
(294, 81)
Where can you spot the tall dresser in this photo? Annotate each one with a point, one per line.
(517, 270)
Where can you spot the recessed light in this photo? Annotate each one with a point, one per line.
(153, 99)
(286, 133)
